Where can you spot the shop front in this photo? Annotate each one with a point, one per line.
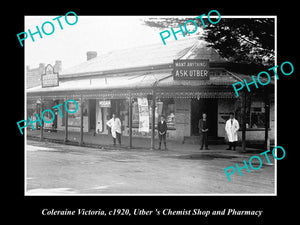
(182, 102)
(180, 90)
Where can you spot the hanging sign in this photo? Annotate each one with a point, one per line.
(104, 103)
(191, 69)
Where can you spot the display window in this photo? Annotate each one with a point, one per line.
(165, 107)
(255, 114)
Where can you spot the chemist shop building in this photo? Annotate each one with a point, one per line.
(180, 81)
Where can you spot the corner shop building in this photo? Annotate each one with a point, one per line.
(112, 83)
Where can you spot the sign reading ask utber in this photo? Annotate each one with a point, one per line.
(191, 69)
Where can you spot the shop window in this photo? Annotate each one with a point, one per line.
(74, 118)
(255, 114)
(168, 110)
(165, 107)
(48, 117)
(123, 113)
(85, 109)
(135, 114)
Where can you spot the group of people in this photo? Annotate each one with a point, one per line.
(231, 128)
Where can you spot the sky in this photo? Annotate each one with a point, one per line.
(90, 33)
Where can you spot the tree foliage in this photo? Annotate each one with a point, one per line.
(239, 40)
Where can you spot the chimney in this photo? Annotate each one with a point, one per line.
(41, 68)
(58, 66)
(91, 55)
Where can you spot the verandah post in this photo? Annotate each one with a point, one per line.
(244, 121)
(130, 120)
(40, 116)
(267, 118)
(66, 124)
(153, 121)
(81, 121)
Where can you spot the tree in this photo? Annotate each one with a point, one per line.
(240, 40)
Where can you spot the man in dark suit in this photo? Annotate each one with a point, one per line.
(162, 131)
(203, 129)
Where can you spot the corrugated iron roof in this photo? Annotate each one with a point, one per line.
(148, 55)
(136, 81)
(157, 54)
(104, 83)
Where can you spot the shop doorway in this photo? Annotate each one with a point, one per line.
(92, 114)
(210, 107)
(115, 107)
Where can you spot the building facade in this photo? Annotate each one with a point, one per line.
(113, 82)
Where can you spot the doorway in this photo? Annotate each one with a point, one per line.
(92, 114)
(210, 107)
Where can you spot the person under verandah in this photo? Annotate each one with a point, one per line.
(232, 126)
(162, 131)
(203, 129)
(115, 124)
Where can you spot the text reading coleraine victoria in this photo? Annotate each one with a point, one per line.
(79, 212)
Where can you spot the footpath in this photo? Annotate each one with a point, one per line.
(103, 141)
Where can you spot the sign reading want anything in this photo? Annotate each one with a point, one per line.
(191, 69)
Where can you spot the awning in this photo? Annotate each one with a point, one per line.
(139, 84)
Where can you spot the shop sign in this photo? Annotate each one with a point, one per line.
(50, 78)
(104, 103)
(191, 69)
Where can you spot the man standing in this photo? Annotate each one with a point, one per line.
(115, 124)
(162, 131)
(231, 128)
(203, 129)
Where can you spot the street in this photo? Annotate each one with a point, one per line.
(57, 169)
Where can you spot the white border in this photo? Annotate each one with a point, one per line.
(227, 194)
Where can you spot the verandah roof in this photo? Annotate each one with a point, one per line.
(107, 76)
(137, 84)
